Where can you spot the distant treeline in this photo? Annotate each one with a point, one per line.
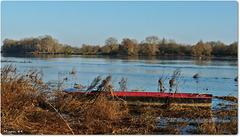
(151, 46)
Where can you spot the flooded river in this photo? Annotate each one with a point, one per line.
(216, 75)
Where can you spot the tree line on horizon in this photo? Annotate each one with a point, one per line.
(151, 46)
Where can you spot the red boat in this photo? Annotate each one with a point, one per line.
(155, 98)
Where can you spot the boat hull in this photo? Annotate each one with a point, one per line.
(168, 101)
(155, 98)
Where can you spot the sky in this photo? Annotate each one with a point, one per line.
(92, 22)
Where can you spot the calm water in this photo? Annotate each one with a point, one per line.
(216, 74)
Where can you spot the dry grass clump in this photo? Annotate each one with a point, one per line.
(93, 114)
(216, 128)
(223, 121)
(71, 104)
(146, 122)
(105, 109)
(23, 104)
(228, 98)
(102, 116)
(194, 112)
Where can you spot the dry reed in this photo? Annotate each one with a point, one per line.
(28, 107)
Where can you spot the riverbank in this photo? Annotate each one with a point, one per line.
(31, 106)
(121, 55)
(128, 47)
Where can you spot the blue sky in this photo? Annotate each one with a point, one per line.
(92, 22)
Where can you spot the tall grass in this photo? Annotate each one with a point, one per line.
(24, 106)
(31, 106)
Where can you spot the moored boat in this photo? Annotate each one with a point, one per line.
(154, 98)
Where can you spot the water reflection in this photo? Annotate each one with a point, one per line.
(204, 61)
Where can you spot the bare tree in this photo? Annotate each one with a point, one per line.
(152, 40)
(111, 42)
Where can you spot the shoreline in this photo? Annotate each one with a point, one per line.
(119, 55)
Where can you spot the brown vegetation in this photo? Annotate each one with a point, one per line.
(28, 106)
(228, 98)
(23, 105)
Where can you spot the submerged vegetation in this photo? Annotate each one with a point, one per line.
(31, 106)
(151, 46)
